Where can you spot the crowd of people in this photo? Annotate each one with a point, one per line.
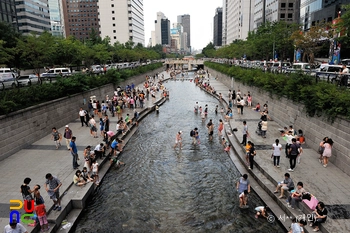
(134, 97)
(96, 118)
(293, 150)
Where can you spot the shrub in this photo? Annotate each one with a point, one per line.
(319, 98)
(15, 99)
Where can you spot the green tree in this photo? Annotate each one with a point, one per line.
(4, 56)
(101, 53)
(69, 51)
(9, 38)
(37, 51)
(309, 41)
(209, 50)
(343, 29)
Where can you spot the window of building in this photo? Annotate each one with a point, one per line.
(112, 12)
(114, 31)
(113, 18)
(112, 5)
(283, 5)
(114, 25)
(290, 16)
(290, 5)
(282, 16)
(115, 37)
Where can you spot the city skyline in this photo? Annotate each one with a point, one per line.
(201, 18)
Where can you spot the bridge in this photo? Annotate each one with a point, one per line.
(184, 64)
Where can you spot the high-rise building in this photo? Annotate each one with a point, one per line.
(176, 37)
(8, 12)
(162, 30)
(80, 18)
(259, 13)
(239, 15)
(317, 11)
(185, 21)
(33, 16)
(217, 34)
(122, 20)
(276, 10)
(55, 7)
(224, 21)
(165, 31)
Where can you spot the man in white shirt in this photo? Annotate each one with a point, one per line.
(82, 114)
(345, 76)
(14, 227)
(99, 150)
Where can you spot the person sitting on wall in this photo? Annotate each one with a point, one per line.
(257, 107)
(286, 185)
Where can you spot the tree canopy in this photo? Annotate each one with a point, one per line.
(37, 51)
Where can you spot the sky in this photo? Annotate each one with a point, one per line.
(202, 14)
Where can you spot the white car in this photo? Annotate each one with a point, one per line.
(31, 79)
(7, 79)
(53, 73)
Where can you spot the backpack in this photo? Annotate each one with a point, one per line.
(192, 133)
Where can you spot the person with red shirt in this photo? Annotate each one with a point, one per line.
(41, 213)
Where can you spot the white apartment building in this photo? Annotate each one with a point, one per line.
(122, 20)
(224, 21)
(237, 20)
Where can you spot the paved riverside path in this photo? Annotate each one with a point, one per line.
(329, 185)
(41, 158)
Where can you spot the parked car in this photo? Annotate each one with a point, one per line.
(53, 73)
(7, 81)
(329, 72)
(280, 67)
(28, 80)
(301, 67)
(96, 69)
(7, 78)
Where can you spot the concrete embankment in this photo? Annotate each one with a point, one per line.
(37, 159)
(22, 128)
(329, 185)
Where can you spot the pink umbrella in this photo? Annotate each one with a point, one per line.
(110, 133)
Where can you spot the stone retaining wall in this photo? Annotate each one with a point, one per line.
(286, 113)
(22, 128)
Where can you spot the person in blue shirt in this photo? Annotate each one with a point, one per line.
(74, 151)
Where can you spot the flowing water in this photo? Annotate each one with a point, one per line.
(162, 189)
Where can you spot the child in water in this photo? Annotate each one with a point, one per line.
(203, 116)
(243, 198)
(228, 148)
(197, 138)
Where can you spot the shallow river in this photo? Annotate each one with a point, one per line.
(166, 190)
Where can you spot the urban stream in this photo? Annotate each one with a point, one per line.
(162, 189)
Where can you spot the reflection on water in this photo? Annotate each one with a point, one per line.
(166, 190)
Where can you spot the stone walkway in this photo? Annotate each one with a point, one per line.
(329, 185)
(41, 158)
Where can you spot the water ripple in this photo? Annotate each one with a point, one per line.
(167, 190)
